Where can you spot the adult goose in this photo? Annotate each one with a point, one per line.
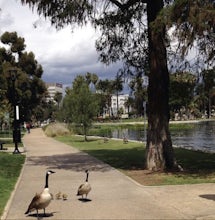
(85, 187)
(42, 200)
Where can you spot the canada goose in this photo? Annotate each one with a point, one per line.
(105, 139)
(85, 187)
(42, 200)
(125, 140)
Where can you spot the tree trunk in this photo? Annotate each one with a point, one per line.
(159, 150)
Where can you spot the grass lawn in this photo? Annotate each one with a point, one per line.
(10, 167)
(130, 159)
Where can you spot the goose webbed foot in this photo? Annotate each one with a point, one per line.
(44, 213)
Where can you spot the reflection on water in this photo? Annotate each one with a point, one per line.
(137, 135)
(201, 137)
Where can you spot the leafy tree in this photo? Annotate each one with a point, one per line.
(117, 85)
(105, 87)
(80, 104)
(29, 88)
(94, 79)
(91, 78)
(205, 92)
(139, 92)
(129, 103)
(193, 22)
(208, 88)
(126, 36)
(181, 90)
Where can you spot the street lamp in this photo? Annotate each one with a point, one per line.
(144, 106)
(145, 84)
(16, 127)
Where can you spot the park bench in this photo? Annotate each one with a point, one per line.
(1, 145)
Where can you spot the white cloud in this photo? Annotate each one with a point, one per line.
(62, 53)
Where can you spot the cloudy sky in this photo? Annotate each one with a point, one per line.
(63, 54)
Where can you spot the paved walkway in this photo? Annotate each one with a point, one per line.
(113, 195)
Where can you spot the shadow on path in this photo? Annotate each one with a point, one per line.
(75, 161)
(41, 215)
(84, 200)
(208, 196)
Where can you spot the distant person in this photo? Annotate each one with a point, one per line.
(28, 126)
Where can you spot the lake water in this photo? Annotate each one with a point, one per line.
(201, 137)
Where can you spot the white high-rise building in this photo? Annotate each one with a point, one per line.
(121, 103)
(52, 89)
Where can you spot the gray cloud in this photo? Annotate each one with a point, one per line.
(64, 53)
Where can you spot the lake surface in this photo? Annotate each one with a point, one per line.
(201, 137)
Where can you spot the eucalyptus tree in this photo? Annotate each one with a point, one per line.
(134, 31)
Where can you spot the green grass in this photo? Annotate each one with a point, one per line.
(131, 154)
(10, 167)
(198, 166)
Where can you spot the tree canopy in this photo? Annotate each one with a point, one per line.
(181, 90)
(29, 88)
(80, 105)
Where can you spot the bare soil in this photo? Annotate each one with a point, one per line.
(144, 177)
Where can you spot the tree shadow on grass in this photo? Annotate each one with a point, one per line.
(125, 159)
(196, 163)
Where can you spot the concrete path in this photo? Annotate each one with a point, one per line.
(113, 195)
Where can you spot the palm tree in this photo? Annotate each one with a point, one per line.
(58, 97)
(117, 87)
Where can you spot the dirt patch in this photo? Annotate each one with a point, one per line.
(145, 177)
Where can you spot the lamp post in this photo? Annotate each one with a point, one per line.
(144, 106)
(145, 84)
(16, 127)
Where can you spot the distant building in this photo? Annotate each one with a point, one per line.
(52, 89)
(121, 103)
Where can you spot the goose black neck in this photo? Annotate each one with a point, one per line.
(47, 180)
(87, 177)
